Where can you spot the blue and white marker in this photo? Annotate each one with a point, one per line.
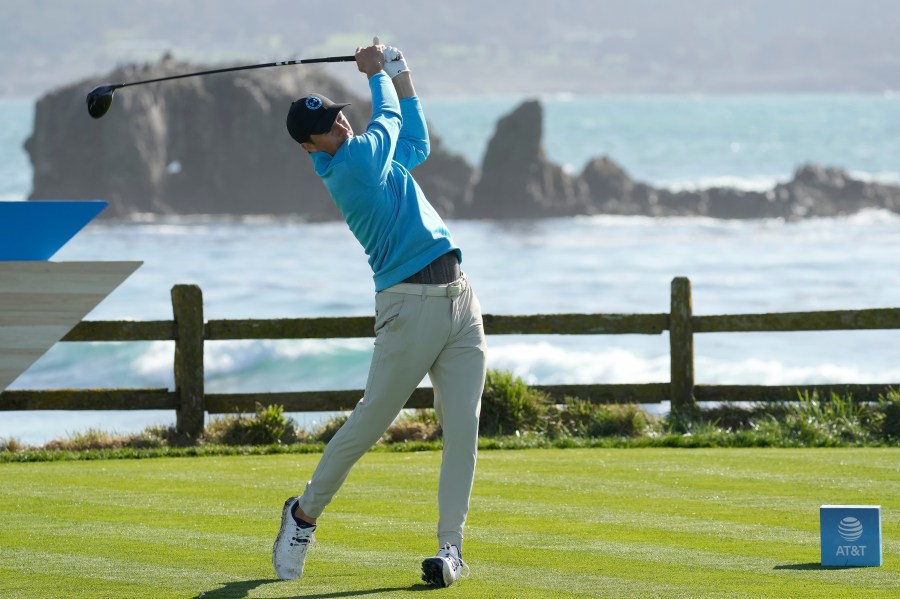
(851, 535)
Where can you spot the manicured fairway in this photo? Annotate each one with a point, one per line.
(544, 523)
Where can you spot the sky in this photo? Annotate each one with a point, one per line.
(477, 47)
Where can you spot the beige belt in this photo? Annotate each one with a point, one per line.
(452, 290)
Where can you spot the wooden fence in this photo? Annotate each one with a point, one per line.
(189, 331)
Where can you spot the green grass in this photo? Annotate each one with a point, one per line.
(544, 523)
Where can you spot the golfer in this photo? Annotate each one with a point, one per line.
(427, 317)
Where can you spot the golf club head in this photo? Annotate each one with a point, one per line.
(99, 100)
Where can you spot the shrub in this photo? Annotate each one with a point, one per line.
(11, 444)
(735, 417)
(266, 427)
(166, 435)
(420, 425)
(889, 408)
(836, 420)
(619, 421)
(580, 418)
(508, 405)
(329, 428)
(89, 439)
(573, 419)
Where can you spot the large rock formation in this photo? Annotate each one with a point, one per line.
(218, 145)
(204, 145)
(517, 180)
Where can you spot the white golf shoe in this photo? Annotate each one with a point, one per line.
(291, 544)
(445, 568)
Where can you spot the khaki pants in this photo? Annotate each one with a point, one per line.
(419, 329)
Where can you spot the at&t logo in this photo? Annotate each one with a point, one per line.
(850, 529)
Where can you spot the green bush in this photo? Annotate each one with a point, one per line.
(419, 425)
(266, 427)
(811, 421)
(11, 444)
(95, 439)
(889, 408)
(618, 421)
(732, 416)
(836, 420)
(579, 418)
(166, 436)
(329, 428)
(508, 405)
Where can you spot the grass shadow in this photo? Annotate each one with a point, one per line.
(812, 566)
(363, 592)
(236, 589)
(241, 588)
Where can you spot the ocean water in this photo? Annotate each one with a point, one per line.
(272, 268)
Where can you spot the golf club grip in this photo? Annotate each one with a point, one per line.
(329, 59)
(245, 68)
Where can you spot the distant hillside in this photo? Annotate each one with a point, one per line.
(480, 46)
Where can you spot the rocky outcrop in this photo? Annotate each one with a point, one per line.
(516, 177)
(517, 181)
(218, 145)
(204, 145)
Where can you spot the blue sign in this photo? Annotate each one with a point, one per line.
(851, 535)
(35, 230)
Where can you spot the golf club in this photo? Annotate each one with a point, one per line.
(100, 98)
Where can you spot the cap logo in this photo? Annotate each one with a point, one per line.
(313, 103)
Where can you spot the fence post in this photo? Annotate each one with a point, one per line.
(681, 347)
(187, 307)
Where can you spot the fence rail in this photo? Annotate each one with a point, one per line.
(190, 331)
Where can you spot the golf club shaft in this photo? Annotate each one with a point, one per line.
(244, 68)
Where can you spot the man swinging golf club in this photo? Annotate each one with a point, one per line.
(427, 317)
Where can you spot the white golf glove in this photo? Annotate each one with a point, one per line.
(394, 63)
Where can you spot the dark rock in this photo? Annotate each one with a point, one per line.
(732, 203)
(610, 187)
(821, 191)
(517, 180)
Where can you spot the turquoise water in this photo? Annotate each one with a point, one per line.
(16, 124)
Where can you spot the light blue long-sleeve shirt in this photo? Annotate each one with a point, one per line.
(370, 182)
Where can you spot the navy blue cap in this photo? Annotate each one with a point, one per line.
(312, 115)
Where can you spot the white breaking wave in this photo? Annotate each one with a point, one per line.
(545, 363)
(759, 183)
(757, 371)
(156, 363)
(883, 177)
(765, 183)
(875, 216)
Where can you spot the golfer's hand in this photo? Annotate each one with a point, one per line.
(370, 60)
(394, 62)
